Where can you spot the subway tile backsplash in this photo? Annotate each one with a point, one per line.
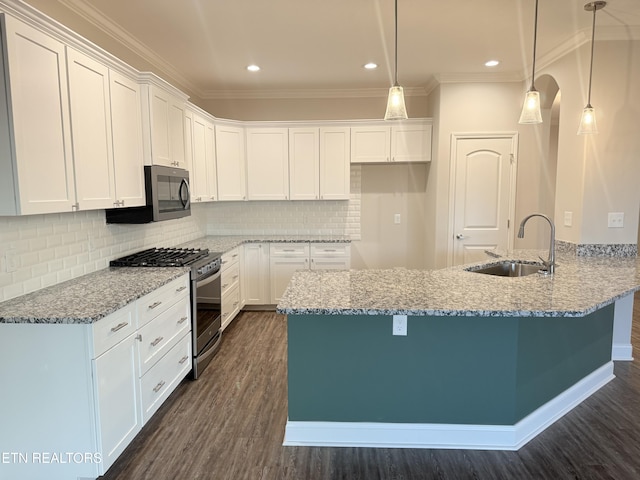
(37, 251)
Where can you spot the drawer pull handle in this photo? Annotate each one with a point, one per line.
(225, 315)
(234, 255)
(154, 305)
(235, 304)
(182, 320)
(156, 341)
(288, 250)
(225, 285)
(329, 250)
(235, 276)
(183, 359)
(181, 289)
(139, 337)
(120, 326)
(158, 386)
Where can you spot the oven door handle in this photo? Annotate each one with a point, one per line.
(183, 200)
(207, 280)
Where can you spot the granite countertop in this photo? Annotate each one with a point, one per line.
(89, 298)
(579, 286)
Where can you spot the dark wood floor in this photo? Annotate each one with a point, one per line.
(229, 424)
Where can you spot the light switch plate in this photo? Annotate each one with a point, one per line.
(568, 219)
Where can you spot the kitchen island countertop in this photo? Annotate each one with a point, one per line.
(580, 285)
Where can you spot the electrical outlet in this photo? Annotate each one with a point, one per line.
(616, 220)
(396, 219)
(568, 219)
(400, 325)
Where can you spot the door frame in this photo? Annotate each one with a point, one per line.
(455, 136)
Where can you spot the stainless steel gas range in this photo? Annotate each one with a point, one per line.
(205, 294)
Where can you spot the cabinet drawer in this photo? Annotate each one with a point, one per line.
(230, 278)
(113, 328)
(330, 250)
(230, 258)
(230, 305)
(159, 335)
(289, 249)
(156, 302)
(161, 380)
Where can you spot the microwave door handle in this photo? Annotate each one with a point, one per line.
(185, 201)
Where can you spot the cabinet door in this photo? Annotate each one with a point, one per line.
(281, 269)
(117, 399)
(267, 164)
(411, 143)
(200, 188)
(128, 156)
(38, 99)
(304, 163)
(230, 163)
(370, 144)
(91, 129)
(210, 158)
(188, 151)
(255, 276)
(335, 167)
(167, 129)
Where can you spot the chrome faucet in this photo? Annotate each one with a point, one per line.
(550, 263)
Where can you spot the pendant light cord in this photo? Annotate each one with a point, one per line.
(395, 84)
(593, 36)
(535, 41)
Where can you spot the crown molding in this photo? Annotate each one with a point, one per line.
(505, 77)
(309, 93)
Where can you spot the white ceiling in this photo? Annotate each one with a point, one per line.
(318, 47)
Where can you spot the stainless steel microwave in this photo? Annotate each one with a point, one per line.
(167, 193)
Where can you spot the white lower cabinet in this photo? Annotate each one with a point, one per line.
(117, 399)
(284, 260)
(82, 392)
(230, 286)
(287, 258)
(255, 274)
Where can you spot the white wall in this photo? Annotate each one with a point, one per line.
(473, 108)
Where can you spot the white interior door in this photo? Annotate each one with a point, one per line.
(483, 194)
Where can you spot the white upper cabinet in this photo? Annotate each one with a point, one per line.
(402, 142)
(304, 163)
(267, 163)
(91, 128)
(230, 162)
(164, 120)
(203, 168)
(126, 124)
(319, 167)
(36, 165)
(370, 144)
(335, 168)
(411, 143)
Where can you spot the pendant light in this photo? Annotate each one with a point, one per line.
(588, 120)
(396, 109)
(531, 106)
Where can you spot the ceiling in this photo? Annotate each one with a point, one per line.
(318, 47)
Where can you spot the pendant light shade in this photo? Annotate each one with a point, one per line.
(396, 109)
(531, 106)
(588, 121)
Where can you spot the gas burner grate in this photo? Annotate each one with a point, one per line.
(161, 257)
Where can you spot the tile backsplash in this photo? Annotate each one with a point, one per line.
(38, 251)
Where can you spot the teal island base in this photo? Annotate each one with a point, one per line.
(452, 382)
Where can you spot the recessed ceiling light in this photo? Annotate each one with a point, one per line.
(253, 68)
(371, 66)
(491, 63)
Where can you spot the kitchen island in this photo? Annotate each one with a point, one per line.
(486, 363)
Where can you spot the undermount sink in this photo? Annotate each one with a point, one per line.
(509, 268)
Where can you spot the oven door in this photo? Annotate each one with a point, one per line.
(206, 308)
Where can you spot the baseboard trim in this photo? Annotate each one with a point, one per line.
(453, 436)
(622, 352)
